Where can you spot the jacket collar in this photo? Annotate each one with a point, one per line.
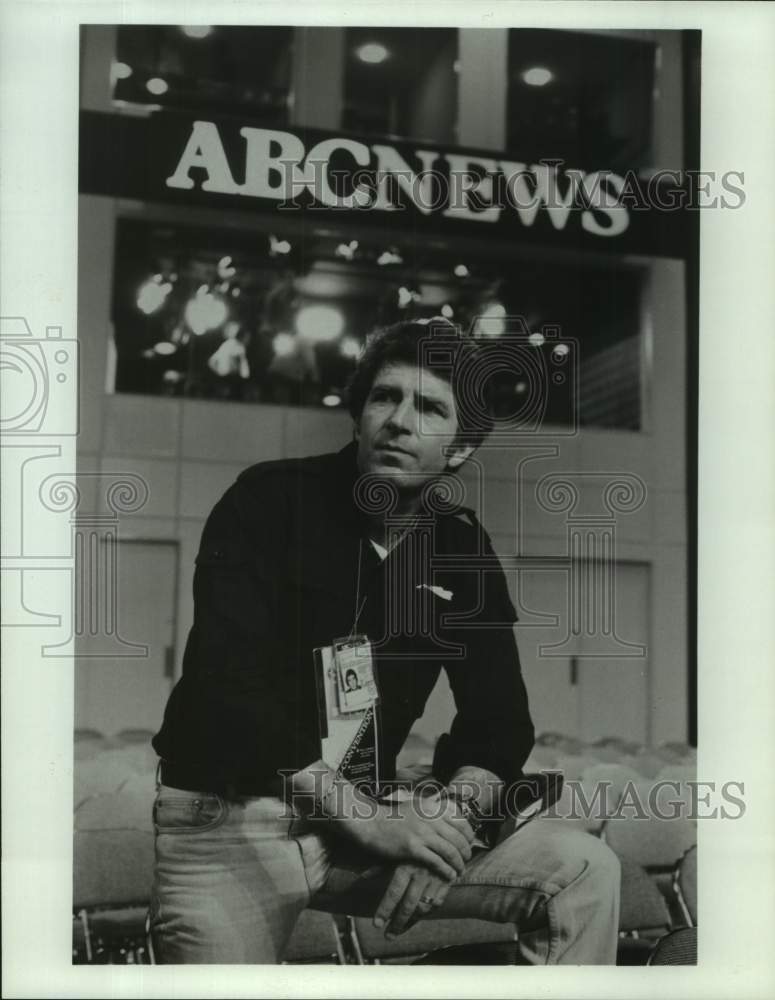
(331, 547)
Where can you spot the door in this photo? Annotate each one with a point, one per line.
(613, 690)
(130, 692)
(586, 686)
(549, 679)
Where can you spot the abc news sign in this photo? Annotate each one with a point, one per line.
(172, 157)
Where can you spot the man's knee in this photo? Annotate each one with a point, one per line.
(565, 854)
(603, 865)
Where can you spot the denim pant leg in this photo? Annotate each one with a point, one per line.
(229, 879)
(558, 885)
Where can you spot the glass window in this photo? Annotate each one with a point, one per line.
(261, 315)
(401, 82)
(581, 97)
(231, 70)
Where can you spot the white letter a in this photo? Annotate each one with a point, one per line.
(204, 150)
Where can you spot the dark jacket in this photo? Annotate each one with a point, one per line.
(283, 564)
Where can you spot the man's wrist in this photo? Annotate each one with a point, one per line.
(479, 786)
(468, 808)
(477, 793)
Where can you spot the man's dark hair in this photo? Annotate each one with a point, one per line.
(440, 348)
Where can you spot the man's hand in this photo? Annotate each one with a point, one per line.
(431, 833)
(413, 892)
(437, 839)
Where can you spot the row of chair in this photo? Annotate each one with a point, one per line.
(114, 859)
(116, 933)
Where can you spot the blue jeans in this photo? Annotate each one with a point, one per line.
(233, 875)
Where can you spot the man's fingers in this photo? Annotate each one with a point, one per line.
(448, 852)
(393, 895)
(434, 894)
(450, 813)
(441, 893)
(409, 903)
(436, 864)
(423, 896)
(462, 825)
(458, 839)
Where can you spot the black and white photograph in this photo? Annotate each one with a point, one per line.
(357, 500)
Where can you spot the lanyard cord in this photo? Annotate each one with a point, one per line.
(359, 603)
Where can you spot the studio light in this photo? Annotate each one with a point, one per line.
(197, 30)
(278, 246)
(537, 76)
(406, 296)
(373, 53)
(389, 257)
(205, 312)
(492, 321)
(153, 294)
(157, 86)
(225, 268)
(164, 347)
(347, 250)
(319, 323)
(350, 348)
(283, 345)
(120, 71)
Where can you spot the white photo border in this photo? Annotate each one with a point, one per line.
(39, 77)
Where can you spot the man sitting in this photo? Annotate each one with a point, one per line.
(365, 541)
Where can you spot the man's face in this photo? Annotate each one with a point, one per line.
(407, 427)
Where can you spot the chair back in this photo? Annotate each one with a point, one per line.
(685, 885)
(642, 908)
(679, 947)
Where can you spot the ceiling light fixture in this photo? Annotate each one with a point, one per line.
(492, 322)
(319, 323)
(372, 53)
(153, 294)
(157, 86)
(284, 344)
(197, 30)
(120, 71)
(389, 257)
(278, 246)
(537, 76)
